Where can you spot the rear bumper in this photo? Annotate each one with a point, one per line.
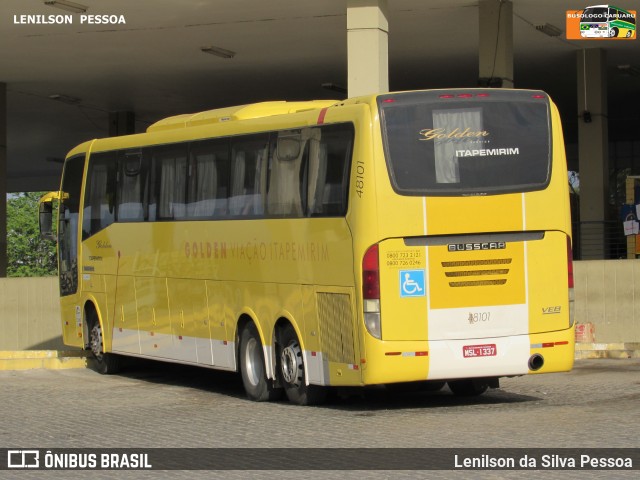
(409, 361)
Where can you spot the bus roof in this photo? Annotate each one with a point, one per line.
(606, 6)
(241, 112)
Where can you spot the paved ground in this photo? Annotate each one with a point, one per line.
(158, 405)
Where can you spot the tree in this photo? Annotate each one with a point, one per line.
(28, 255)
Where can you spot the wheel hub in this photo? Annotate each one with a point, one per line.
(96, 342)
(291, 361)
(252, 362)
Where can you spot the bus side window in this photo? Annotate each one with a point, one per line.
(248, 175)
(209, 177)
(236, 199)
(317, 177)
(170, 180)
(329, 164)
(132, 187)
(289, 157)
(99, 202)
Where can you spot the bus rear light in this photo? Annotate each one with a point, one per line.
(538, 96)
(483, 95)
(549, 344)
(371, 291)
(465, 95)
(371, 305)
(372, 322)
(371, 274)
(407, 354)
(389, 100)
(447, 96)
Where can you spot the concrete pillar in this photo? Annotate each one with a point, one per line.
(495, 45)
(121, 123)
(593, 152)
(3, 179)
(368, 47)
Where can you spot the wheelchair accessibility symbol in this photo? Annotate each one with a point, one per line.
(412, 283)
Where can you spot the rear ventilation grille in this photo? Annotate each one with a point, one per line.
(336, 327)
(467, 277)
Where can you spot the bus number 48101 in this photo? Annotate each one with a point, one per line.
(360, 178)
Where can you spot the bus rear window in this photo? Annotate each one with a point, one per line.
(484, 142)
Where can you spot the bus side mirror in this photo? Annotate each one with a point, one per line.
(45, 218)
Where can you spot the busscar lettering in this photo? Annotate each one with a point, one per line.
(466, 247)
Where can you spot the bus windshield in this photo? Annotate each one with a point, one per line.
(466, 144)
(595, 14)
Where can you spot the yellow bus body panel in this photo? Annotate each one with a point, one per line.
(177, 291)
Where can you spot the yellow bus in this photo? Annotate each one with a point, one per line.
(403, 237)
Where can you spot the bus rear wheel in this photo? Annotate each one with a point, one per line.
(292, 374)
(614, 32)
(252, 367)
(469, 387)
(105, 363)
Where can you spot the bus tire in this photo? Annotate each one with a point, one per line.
(291, 371)
(469, 387)
(614, 32)
(252, 367)
(629, 33)
(104, 363)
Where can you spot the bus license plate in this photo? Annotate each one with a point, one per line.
(489, 350)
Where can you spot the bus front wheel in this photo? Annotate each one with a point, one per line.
(105, 363)
(291, 371)
(252, 367)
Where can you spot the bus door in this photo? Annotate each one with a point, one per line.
(68, 247)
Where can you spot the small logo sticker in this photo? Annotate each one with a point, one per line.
(597, 22)
(412, 283)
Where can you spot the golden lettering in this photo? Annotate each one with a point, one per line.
(259, 251)
(442, 134)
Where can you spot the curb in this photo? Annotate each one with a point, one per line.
(47, 359)
(607, 350)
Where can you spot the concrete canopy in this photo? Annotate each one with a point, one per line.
(284, 50)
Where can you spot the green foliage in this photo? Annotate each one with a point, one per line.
(28, 255)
